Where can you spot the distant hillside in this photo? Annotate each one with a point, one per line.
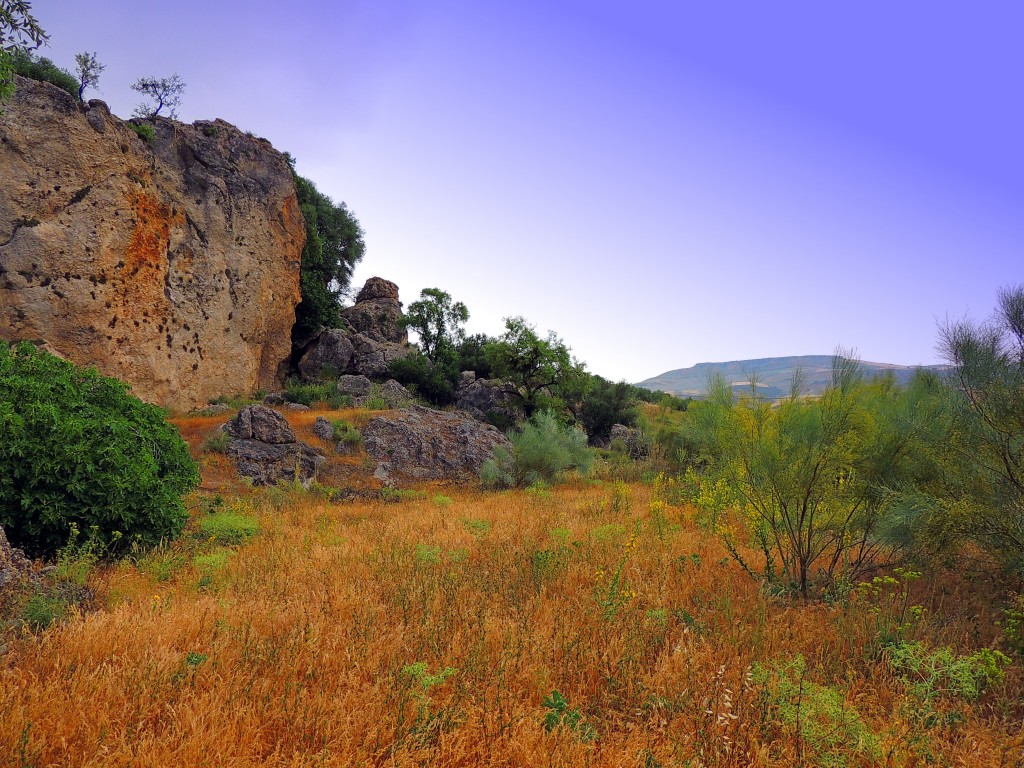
(774, 375)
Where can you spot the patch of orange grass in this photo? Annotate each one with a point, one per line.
(298, 651)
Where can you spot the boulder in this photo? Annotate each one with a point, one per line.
(265, 450)
(257, 422)
(323, 429)
(394, 394)
(629, 439)
(331, 352)
(354, 386)
(423, 444)
(486, 398)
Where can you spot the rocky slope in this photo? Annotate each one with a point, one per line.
(171, 264)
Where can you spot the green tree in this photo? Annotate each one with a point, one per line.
(88, 69)
(334, 245)
(982, 496)
(533, 366)
(19, 33)
(77, 451)
(606, 404)
(811, 484)
(160, 93)
(436, 320)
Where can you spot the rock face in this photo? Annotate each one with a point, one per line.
(172, 264)
(15, 568)
(374, 339)
(422, 444)
(630, 439)
(485, 398)
(265, 450)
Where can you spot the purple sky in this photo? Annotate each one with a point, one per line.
(661, 183)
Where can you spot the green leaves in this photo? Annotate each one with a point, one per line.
(77, 450)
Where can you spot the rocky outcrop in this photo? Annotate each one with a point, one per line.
(486, 399)
(374, 339)
(418, 443)
(15, 568)
(266, 451)
(172, 264)
(377, 313)
(628, 439)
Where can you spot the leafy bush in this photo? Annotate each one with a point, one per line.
(542, 451)
(433, 381)
(41, 68)
(825, 727)
(77, 451)
(375, 399)
(144, 131)
(940, 672)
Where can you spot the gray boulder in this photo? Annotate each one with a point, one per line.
(323, 429)
(266, 451)
(485, 398)
(354, 385)
(332, 351)
(423, 444)
(257, 422)
(628, 439)
(394, 394)
(15, 568)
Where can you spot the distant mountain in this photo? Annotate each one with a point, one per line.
(774, 375)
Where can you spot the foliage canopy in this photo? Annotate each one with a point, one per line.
(334, 245)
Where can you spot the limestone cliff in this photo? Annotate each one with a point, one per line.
(171, 264)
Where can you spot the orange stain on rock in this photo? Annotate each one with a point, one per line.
(152, 233)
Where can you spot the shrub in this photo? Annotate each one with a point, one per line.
(375, 399)
(296, 391)
(228, 527)
(215, 442)
(41, 68)
(77, 451)
(144, 131)
(346, 433)
(542, 451)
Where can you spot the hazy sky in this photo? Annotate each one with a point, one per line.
(661, 183)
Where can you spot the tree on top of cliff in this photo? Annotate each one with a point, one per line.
(160, 93)
(334, 245)
(19, 33)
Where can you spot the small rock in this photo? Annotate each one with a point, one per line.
(394, 394)
(323, 429)
(295, 407)
(274, 398)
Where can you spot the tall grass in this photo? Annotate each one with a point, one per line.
(581, 626)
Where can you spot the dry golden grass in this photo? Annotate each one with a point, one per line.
(302, 649)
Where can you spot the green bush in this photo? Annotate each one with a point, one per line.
(77, 451)
(346, 433)
(228, 527)
(542, 451)
(144, 131)
(41, 68)
(296, 391)
(215, 442)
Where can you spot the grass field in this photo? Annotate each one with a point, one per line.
(588, 624)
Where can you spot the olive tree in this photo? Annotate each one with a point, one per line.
(159, 93)
(19, 34)
(88, 69)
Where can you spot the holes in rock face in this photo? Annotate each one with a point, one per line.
(170, 339)
(195, 366)
(113, 322)
(136, 323)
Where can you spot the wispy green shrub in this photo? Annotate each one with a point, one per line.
(41, 68)
(296, 391)
(228, 527)
(144, 131)
(543, 451)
